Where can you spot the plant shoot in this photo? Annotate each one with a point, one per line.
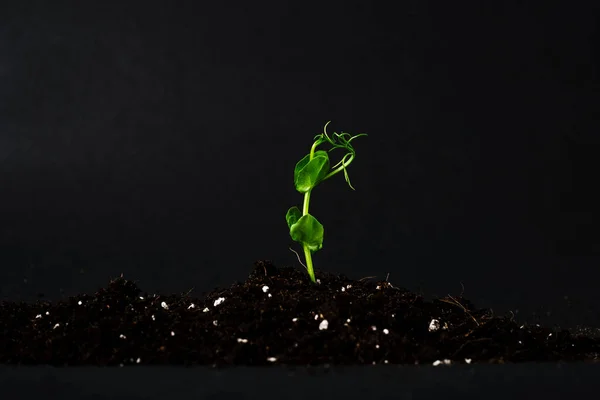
(313, 169)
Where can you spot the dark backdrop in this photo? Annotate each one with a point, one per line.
(158, 140)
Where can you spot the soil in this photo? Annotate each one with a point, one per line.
(276, 317)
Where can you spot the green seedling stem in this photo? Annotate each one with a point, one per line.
(308, 173)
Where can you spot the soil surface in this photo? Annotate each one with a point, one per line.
(276, 317)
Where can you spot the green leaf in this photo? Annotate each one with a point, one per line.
(308, 173)
(292, 216)
(308, 231)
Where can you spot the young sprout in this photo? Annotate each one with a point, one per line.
(309, 172)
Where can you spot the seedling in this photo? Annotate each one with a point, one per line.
(308, 173)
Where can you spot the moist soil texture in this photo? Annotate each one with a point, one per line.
(277, 316)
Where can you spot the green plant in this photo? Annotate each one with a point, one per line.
(308, 173)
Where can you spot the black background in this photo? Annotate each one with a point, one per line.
(158, 140)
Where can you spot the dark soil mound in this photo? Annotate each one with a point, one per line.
(275, 317)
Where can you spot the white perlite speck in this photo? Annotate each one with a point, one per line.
(219, 301)
(323, 325)
(265, 289)
(434, 325)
